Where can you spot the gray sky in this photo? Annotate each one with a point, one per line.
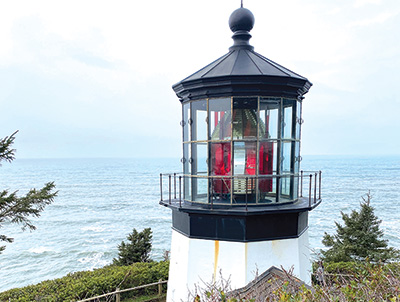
(93, 78)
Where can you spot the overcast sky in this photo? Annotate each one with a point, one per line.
(93, 78)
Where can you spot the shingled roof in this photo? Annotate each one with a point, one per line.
(263, 285)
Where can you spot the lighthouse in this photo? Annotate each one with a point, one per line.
(240, 205)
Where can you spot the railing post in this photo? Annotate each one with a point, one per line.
(159, 287)
(315, 188)
(161, 185)
(211, 183)
(320, 178)
(247, 184)
(212, 193)
(169, 185)
(180, 198)
(117, 296)
(309, 191)
(174, 185)
(301, 183)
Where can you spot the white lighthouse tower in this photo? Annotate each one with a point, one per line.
(239, 206)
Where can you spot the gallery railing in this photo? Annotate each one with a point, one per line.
(172, 187)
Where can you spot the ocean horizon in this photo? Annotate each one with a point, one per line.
(101, 200)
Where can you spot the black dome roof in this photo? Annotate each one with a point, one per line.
(242, 71)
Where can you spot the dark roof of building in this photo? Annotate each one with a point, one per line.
(263, 285)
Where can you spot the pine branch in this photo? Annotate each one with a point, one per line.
(6, 152)
(19, 210)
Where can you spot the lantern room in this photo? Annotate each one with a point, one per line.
(241, 147)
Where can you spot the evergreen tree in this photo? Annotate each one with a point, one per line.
(359, 238)
(137, 249)
(18, 210)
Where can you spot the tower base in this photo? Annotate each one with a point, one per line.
(196, 262)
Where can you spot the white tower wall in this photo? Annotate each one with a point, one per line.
(197, 261)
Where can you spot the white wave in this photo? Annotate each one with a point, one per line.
(96, 229)
(40, 250)
(94, 261)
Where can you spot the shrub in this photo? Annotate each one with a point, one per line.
(365, 282)
(86, 284)
(360, 238)
(137, 249)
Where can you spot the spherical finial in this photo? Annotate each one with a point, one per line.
(241, 19)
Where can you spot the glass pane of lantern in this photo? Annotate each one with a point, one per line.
(266, 188)
(266, 170)
(200, 188)
(185, 121)
(220, 167)
(286, 157)
(185, 159)
(244, 158)
(187, 184)
(244, 168)
(297, 157)
(295, 180)
(269, 118)
(244, 118)
(187, 188)
(239, 158)
(267, 157)
(199, 120)
(287, 118)
(298, 119)
(220, 159)
(199, 156)
(199, 168)
(220, 118)
(285, 189)
(298, 109)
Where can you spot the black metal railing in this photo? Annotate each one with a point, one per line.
(171, 185)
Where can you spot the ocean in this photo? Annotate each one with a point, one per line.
(100, 201)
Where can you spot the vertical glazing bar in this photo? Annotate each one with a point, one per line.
(180, 198)
(256, 181)
(232, 157)
(315, 188)
(320, 178)
(301, 183)
(231, 189)
(257, 171)
(309, 191)
(247, 184)
(174, 185)
(222, 182)
(169, 185)
(161, 185)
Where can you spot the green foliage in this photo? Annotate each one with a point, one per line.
(363, 282)
(359, 238)
(137, 249)
(6, 151)
(18, 210)
(86, 284)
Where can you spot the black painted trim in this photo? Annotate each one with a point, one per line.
(242, 86)
(240, 228)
